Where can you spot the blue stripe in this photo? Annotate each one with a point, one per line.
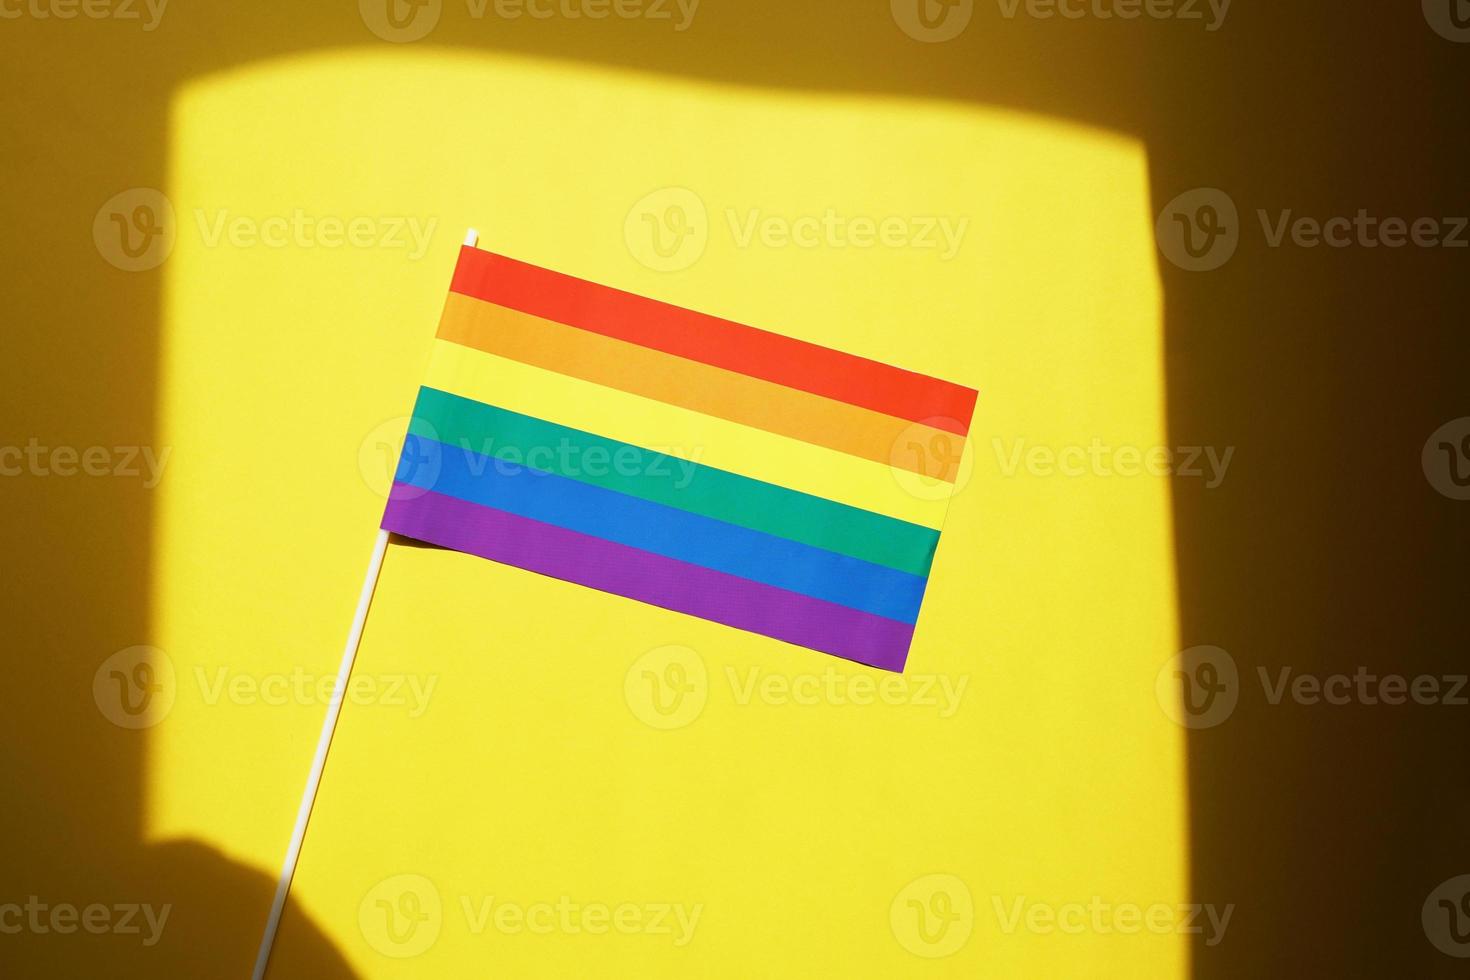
(662, 530)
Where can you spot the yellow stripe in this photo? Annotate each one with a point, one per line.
(679, 432)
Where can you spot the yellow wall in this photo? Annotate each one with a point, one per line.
(809, 835)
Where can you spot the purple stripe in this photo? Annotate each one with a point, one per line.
(654, 579)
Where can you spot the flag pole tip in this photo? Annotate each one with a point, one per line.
(471, 238)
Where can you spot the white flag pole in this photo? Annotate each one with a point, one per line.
(319, 761)
(324, 741)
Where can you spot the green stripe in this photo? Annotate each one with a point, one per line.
(650, 475)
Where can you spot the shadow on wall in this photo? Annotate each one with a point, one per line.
(1325, 368)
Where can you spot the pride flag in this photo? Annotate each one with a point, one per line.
(680, 459)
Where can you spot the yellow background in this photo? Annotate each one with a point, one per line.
(1330, 548)
(276, 378)
(531, 773)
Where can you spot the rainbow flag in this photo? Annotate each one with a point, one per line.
(680, 459)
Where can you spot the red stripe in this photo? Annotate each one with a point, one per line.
(712, 340)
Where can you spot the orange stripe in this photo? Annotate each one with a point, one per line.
(713, 340)
(699, 387)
